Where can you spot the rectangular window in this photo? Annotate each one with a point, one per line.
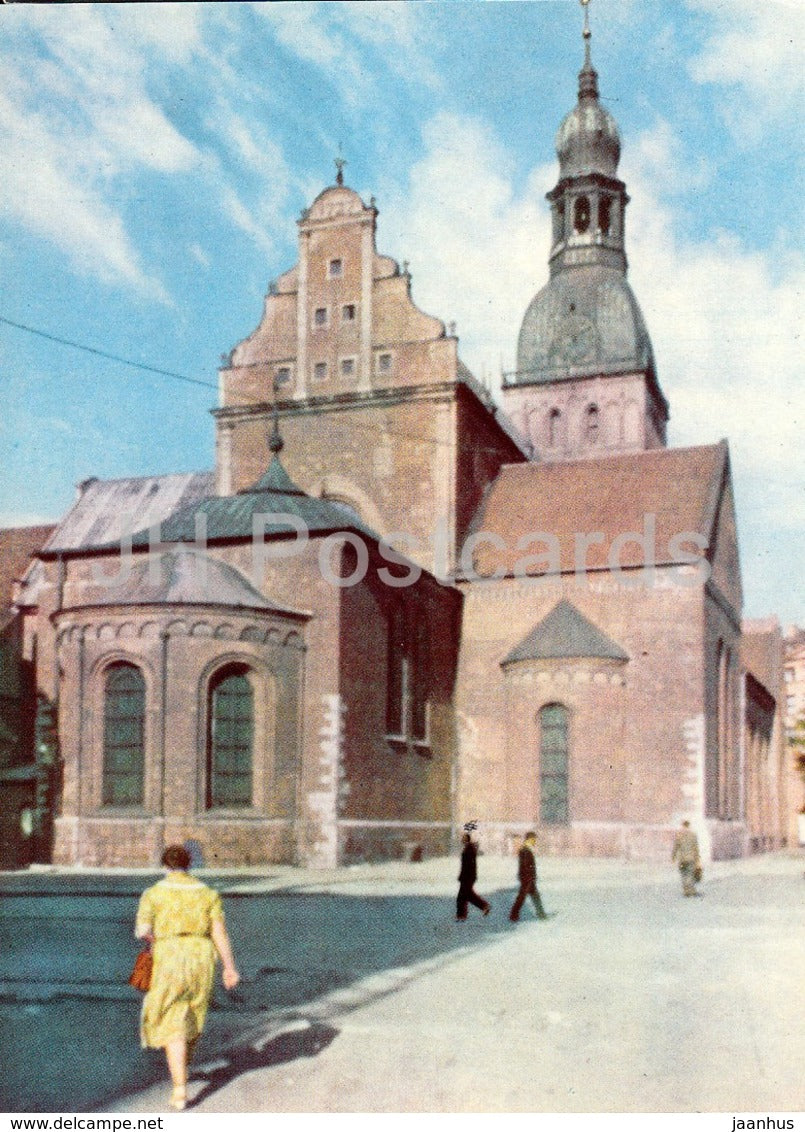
(320, 371)
(384, 363)
(282, 375)
(348, 368)
(407, 677)
(320, 316)
(336, 268)
(348, 312)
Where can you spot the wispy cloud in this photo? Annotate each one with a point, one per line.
(476, 247)
(76, 115)
(756, 47)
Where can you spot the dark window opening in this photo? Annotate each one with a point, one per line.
(581, 214)
(592, 424)
(123, 737)
(553, 764)
(407, 677)
(605, 215)
(231, 740)
(554, 427)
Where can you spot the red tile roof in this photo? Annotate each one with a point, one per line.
(17, 544)
(663, 493)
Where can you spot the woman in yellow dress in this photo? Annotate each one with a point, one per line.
(184, 920)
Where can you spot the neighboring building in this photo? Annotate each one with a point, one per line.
(770, 781)
(794, 676)
(794, 641)
(19, 773)
(568, 653)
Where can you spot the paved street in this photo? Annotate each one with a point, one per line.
(362, 994)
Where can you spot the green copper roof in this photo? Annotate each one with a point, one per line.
(563, 634)
(259, 509)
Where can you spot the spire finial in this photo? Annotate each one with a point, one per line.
(340, 162)
(275, 441)
(588, 77)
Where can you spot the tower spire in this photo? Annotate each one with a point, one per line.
(588, 76)
(275, 441)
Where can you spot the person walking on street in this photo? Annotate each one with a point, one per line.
(527, 875)
(686, 855)
(183, 919)
(467, 876)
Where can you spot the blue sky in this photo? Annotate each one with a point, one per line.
(155, 157)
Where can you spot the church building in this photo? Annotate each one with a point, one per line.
(396, 606)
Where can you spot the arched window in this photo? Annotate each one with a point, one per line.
(559, 221)
(554, 428)
(123, 737)
(231, 739)
(592, 424)
(605, 214)
(553, 757)
(581, 214)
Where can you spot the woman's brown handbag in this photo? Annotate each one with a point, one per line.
(140, 977)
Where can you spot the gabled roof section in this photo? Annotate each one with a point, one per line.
(106, 510)
(182, 577)
(18, 545)
(665, 493)
(565, 634)
(274, 506)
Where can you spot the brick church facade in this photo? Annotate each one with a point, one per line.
(395, 606)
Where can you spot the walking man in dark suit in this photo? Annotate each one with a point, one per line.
(527, 875)
(467, 876)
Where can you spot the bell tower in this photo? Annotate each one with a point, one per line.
(586, 383)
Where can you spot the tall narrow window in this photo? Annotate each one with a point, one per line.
(554, 427)
(231, 740)
(592, 424)
(553, 757)
(407, 676)
(123, 737)
(581, 214)
(605, 214)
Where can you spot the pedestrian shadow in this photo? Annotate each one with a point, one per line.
(306, 1040)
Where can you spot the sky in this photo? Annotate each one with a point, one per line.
(154, 159)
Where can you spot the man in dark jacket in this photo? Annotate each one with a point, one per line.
(467, 876)
(527, 875)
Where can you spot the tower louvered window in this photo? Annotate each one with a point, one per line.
(123, 737)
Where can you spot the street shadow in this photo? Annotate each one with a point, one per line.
(287, 1046)
(65, 958)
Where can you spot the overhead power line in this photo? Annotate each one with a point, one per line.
(106, 354)
(261, 402)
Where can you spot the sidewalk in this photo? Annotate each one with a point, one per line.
(630, 1000)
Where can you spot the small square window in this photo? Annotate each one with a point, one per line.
(347, 367)
(348, 312)
(282, 375)
(320, 316)
(384, 363)
(320, 371)
(336, 268)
